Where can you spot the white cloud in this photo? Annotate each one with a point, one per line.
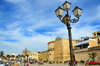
(76, 32)
(37, 42)
(15, 1)
(34, 16)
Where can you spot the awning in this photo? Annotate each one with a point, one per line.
(82, 43)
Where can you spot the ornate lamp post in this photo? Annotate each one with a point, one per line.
(67, 20)
(26, 53)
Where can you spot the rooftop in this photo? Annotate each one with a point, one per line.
(96, 32)
(50, 42)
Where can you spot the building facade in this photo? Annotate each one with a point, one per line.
(86, 44)
(26, 52)
(35, 55)
(13, 56)
(30, 56)
(83, 48)
(96, 35)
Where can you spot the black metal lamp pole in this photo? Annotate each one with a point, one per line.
(70, 45)
(66, 20)
(25, 55)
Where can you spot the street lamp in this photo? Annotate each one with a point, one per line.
(66, 20)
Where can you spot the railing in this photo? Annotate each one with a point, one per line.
(95, 48)
(87, 49)
(81, 50)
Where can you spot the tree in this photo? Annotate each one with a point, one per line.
(1, 53)
(92, 55)
(8, 56)
(27, 56)
(16, 56)
(13, 56)
(22, 56)
(19, 56)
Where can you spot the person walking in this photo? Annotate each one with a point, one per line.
(75, 62)
(27, 64)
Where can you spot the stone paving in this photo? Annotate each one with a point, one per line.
(50, 65)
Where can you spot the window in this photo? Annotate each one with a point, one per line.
(98, 34)
(98, 40)
(94, 34)
(81, 47)
(85, 46)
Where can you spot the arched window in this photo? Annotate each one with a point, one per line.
(94, 34)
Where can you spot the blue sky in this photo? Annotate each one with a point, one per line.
(32, 24)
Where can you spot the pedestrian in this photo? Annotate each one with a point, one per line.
(27, 64)
(41, 62)
(89, 60)
(69, 62)
(75, 62)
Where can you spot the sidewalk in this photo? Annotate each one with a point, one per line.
(49, 65)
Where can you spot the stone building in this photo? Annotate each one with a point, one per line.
(51, 50)
(62, 50)
(58, 50)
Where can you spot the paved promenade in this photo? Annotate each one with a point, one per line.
(50, 65)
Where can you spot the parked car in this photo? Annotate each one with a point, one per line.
(10, 63)
(31, 62)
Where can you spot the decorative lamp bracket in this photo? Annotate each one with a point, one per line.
(74, 20)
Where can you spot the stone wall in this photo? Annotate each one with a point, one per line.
(65, 48)
(58, 50)
(43, 55)
(51, 55)
(82, 54)
(62, 50)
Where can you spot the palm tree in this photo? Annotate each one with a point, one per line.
(92, 55)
